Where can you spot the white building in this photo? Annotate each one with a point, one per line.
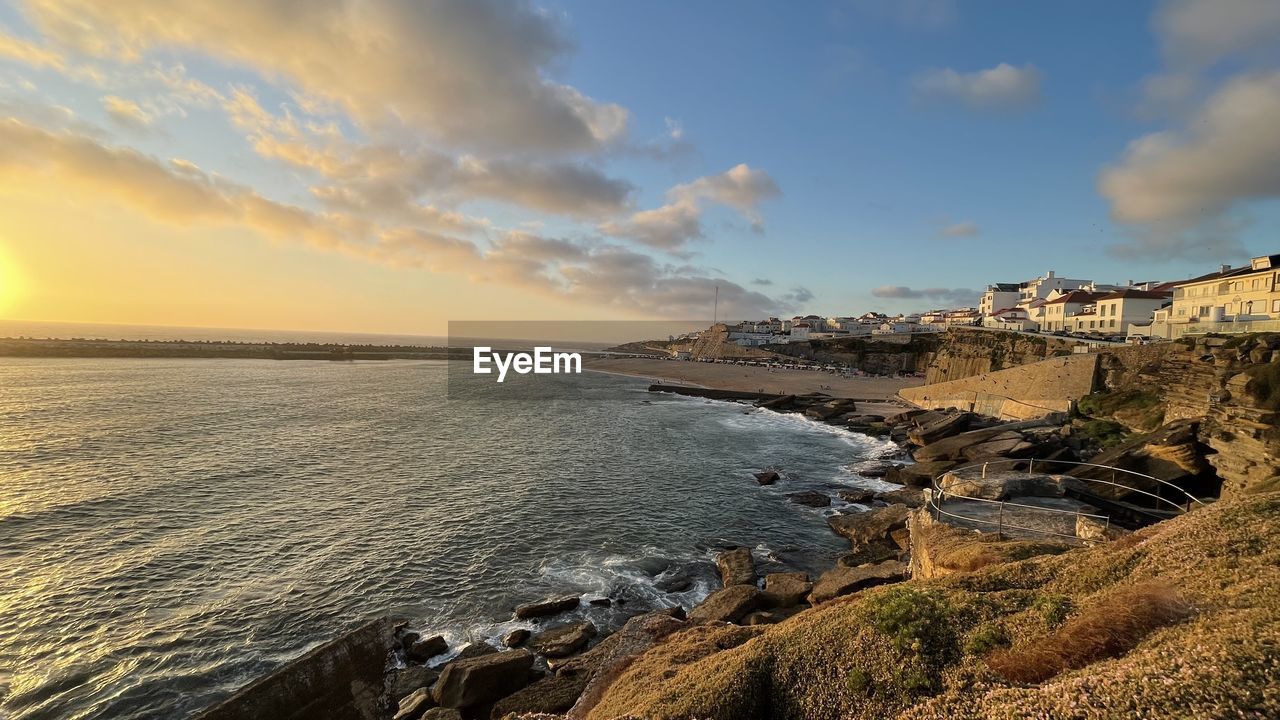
(1119, 309)
(1060, 306)
(999, 296)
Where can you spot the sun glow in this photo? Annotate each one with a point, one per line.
(10, 283)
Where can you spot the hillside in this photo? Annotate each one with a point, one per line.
(1179, 620)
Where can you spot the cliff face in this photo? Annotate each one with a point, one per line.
(876, 355)
(1228, 381)
(966, 352)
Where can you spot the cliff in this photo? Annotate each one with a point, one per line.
(1179, 620)
(877, 355)
(965, 352)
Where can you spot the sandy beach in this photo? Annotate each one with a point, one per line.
(879, 393)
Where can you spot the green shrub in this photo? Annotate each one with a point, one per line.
(1102, 433)
(1053, 609)
(920, 625)
(1106, 403)
(858, 682)
(986, 639)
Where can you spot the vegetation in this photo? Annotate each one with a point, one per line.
(1102, 434)
(1097, 632)
(1264, 385)
(1140, 409)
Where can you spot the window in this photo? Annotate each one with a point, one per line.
(1113, 323)
(1275, 306)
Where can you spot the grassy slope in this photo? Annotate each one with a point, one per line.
(855, 658)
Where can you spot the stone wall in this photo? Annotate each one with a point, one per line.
(1019, 393)
(340, 680)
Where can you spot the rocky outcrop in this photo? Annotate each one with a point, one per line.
(543, 608)
(1000, 485)
(841, 580)
(810, 498)
(866, 527)
(563, 641)
(785, 590)
(554, 694)
(737, 567)
(1172, 454)
(964, 353)
(729, 604)
(482, 681)
(423, 649)
(920, 474)
(767, 477)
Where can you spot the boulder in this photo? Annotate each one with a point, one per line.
(601, 602)
(675, 582)
(424, 649)
(856, 495)
(872, 552)
(830, 409)
(953, 447)
(414, 705)
(563, 641)
(442, 714)
(516, 637)
(920, 474)
(778, 403)
(602, 663)
(554, 606)
(729, 604)
(767, 477)
(475, 650)
(912, 497)
(483, 680)
(841, 580)
(810, 498)
(877, 470)
(784, 590)
(737, 567)
(406, 680)
(1000, 485)
(905, 416)
(944, 427)
(551, 695)
(864, 527)
(1014, 447)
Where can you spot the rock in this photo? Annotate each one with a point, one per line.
(422, 650)
(1000, 485)
(406, 680)
(551, 695)
(676, 582)
(842, 580)
(784, 590)
(856, 495)
(1172, 453)
(905, 416)
(413, 706)
(768, 477)
(1093, 529)
(943, 427)
(674, 611)
(830, 409)
(516, 637)
(920, 474)
(614, 654)
(442, 714)
(1014, 447)
(779, 403)
(475, 650)
(864, 527)
(563, 641)
(759, 617)
(543, 608)
(861, 419)
(912, 497)
(483, 680)
(877, 470)
(872, 552)
(730, 604)
(601, 602)
(737, 567)
(810, 498)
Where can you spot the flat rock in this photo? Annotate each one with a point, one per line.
(841, 580)
(872, 552)
(912, 497)
(482, 680)
(856, 495)
(475, 650)
(784, 590)
(944, 427)
(864, 527)
(1000, 485)
(737, 567)
(919, 474)
(810, 498)
(730, 604)
(554, 606)
(778, 403)
(442, 714)
(563, 641)
(551, 695)
(406, 680)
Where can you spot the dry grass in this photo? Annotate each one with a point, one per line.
(1109, 629)
(956, 550)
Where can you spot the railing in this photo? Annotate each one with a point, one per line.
(938, 497)
(1178, 329)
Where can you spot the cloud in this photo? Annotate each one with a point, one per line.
(1003, 87)
(126, 113)
(469, 73)
(964, 228)
(1172, 185)
(674, 129)
(957, 296)
(25, 51)
(672, 226)
(798, 296)
(763, 282)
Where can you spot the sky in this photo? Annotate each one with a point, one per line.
(391, 165)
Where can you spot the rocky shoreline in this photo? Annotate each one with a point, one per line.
(553, 666)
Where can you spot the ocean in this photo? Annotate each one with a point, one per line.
(172, 529)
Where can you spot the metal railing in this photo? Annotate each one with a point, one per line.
(938, 496)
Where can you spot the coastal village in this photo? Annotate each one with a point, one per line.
(1226, 300)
